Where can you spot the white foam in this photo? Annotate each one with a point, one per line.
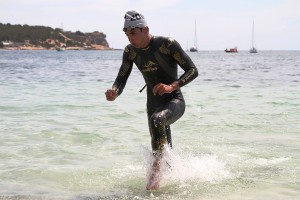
(272, 161)
(183, 166)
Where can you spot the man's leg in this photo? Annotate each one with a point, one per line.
(160, 121)
(169, 138)
(159, 125)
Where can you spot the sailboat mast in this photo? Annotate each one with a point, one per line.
(195, 36)
(253, 49)
(194, 48)
(253, 34)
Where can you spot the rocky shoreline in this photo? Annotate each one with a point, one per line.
(24, 37)
(94, 47)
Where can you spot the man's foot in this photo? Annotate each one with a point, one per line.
(154, 178)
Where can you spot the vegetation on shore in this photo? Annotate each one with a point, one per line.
(26, 37)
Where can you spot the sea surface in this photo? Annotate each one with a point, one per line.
(60, 139)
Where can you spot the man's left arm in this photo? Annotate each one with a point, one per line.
(185, 62)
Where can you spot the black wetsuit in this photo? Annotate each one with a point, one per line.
(158, 64)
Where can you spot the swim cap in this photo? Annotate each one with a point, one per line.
(134, 19)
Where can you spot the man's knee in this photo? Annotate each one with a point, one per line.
(156, 120)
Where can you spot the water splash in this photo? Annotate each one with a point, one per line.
(183, 167)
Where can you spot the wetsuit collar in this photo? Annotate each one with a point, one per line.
(149, 44)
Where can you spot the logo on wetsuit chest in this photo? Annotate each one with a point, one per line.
(150, 66)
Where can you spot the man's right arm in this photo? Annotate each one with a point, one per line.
(120, 82)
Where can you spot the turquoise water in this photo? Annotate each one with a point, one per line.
(60, 138)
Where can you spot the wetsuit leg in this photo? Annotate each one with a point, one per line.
(169, 138)
(160, 120)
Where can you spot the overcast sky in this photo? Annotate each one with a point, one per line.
(220, 23)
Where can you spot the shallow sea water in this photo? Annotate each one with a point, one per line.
(60, 138)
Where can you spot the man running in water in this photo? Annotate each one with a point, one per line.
(157, 59)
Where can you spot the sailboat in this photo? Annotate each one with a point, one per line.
(253, 49)
(194, 48)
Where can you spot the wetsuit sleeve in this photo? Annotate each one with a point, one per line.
(124, 72)
(185, 62)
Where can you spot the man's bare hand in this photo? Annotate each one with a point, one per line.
(111, 95)
(163, 88)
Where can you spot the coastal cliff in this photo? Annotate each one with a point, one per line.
(25, 37)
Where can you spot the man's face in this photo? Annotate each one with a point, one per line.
(136, 37)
